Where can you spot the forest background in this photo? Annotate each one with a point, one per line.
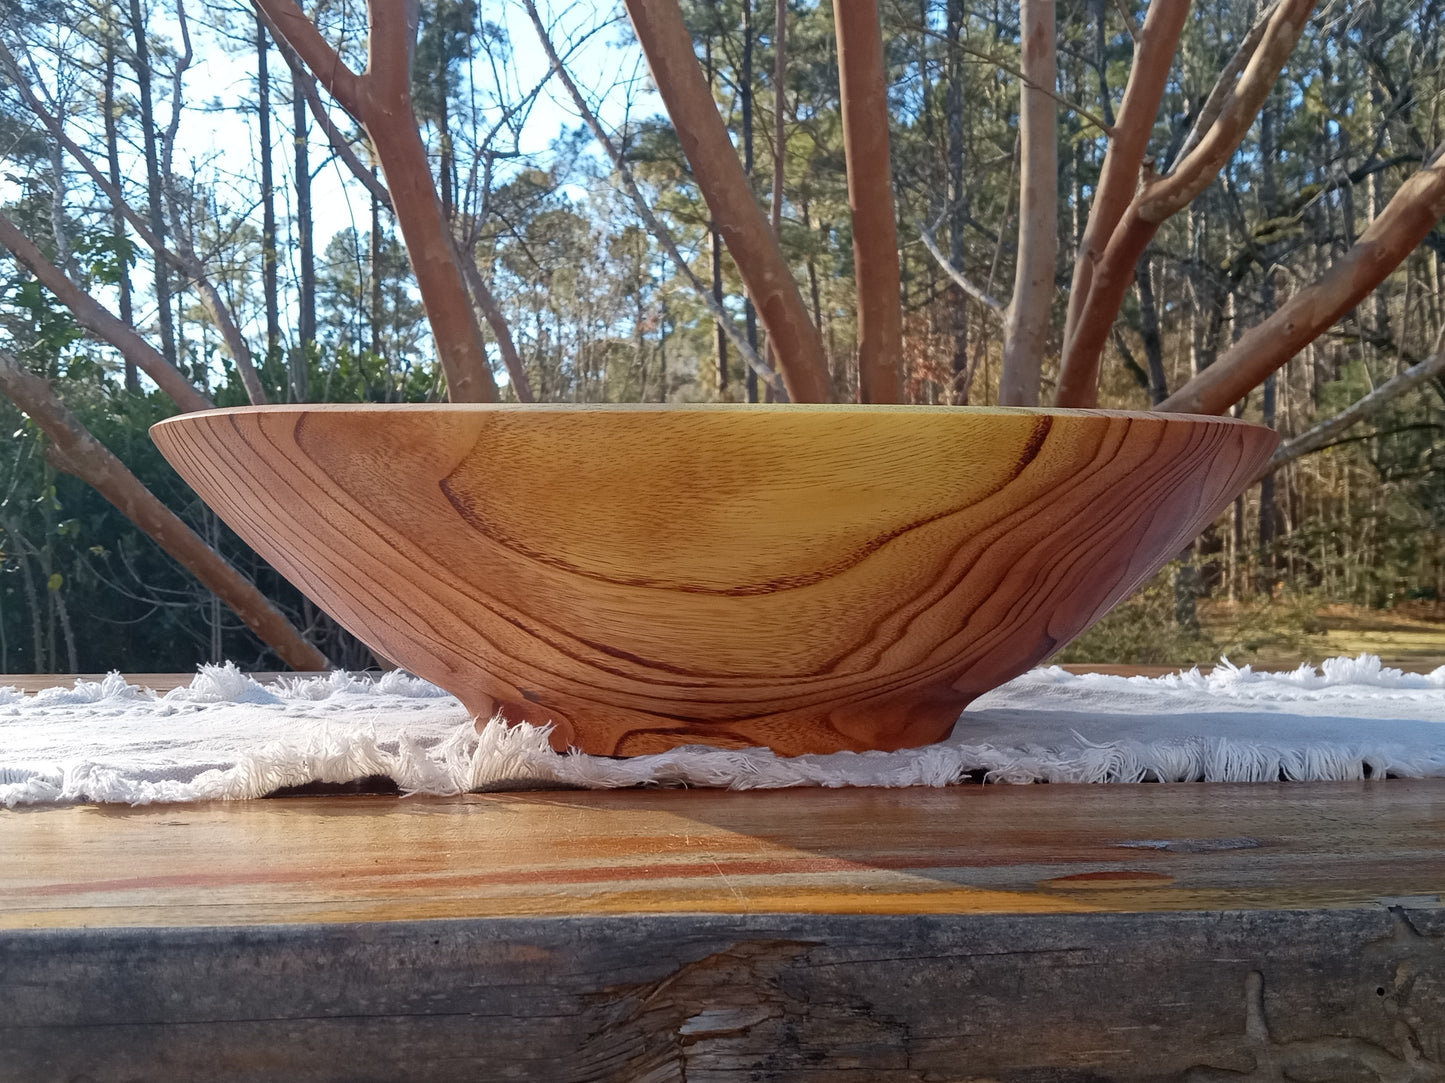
(265, 199)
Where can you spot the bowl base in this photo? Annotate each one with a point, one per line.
(881, 725)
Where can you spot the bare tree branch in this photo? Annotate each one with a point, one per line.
(302, 80)
(1119, 178)
(77, 452)
(930, 242)
(1129, 24)
(1406, 220)
(649, 219)
(91, 315)
(185, 260)
(289, 23)
(668, 45)
(1325, 432)
(492, 313)
(1161, 197)
(1223, 87)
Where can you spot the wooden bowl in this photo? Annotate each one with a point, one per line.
(809, 578)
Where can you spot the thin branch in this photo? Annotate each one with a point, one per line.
(1119, 178)
(1196, 170)
(649, 219)
(1410, 215)
(863, 91)
(930, 242)
(1129, 24)
(1161, 197)
(91, 315)
(1323, 435)
(186, 261)
(1043, 88)
(667, 44)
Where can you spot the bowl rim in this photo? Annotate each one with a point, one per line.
(843, 409)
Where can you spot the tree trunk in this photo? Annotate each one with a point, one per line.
(1026, 323)
(75, 451)
(1119, 179)
(745, 101)
(305, 254)
(957, 203)
(1265, 583)
(269, 281)
(112, 154)
(720, 338)
(780, 140)
(381, 100)
(1149, 332)
(1222, 125)
(154, 182)
(863, 87)
(374, 276)
(1269, 203)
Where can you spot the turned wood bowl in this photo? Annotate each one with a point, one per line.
(808, 578)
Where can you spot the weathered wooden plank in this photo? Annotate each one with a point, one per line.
(969, 849)
(1335, 995)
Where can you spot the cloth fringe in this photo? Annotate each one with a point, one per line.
(402, 728)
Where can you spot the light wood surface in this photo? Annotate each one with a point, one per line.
(963, 850)
(808, 578)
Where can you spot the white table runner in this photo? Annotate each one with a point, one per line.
(225, 736)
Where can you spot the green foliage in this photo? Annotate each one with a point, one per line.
(1144, 630)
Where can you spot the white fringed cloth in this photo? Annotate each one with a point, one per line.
(225, 736)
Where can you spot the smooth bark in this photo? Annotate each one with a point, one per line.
(1128, 143)
(710, 297)
(501, 330)
(1404, 223)
(381, 100)
(863, 87)
(1159, 198)
(668, 45)
(1026, 322)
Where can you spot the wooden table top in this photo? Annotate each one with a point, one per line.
(963, 850)
(966, 849)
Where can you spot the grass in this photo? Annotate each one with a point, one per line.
(1280, 634)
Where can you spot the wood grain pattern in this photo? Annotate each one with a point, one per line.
(966, 850)
(808, 578)
(1038, 934)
